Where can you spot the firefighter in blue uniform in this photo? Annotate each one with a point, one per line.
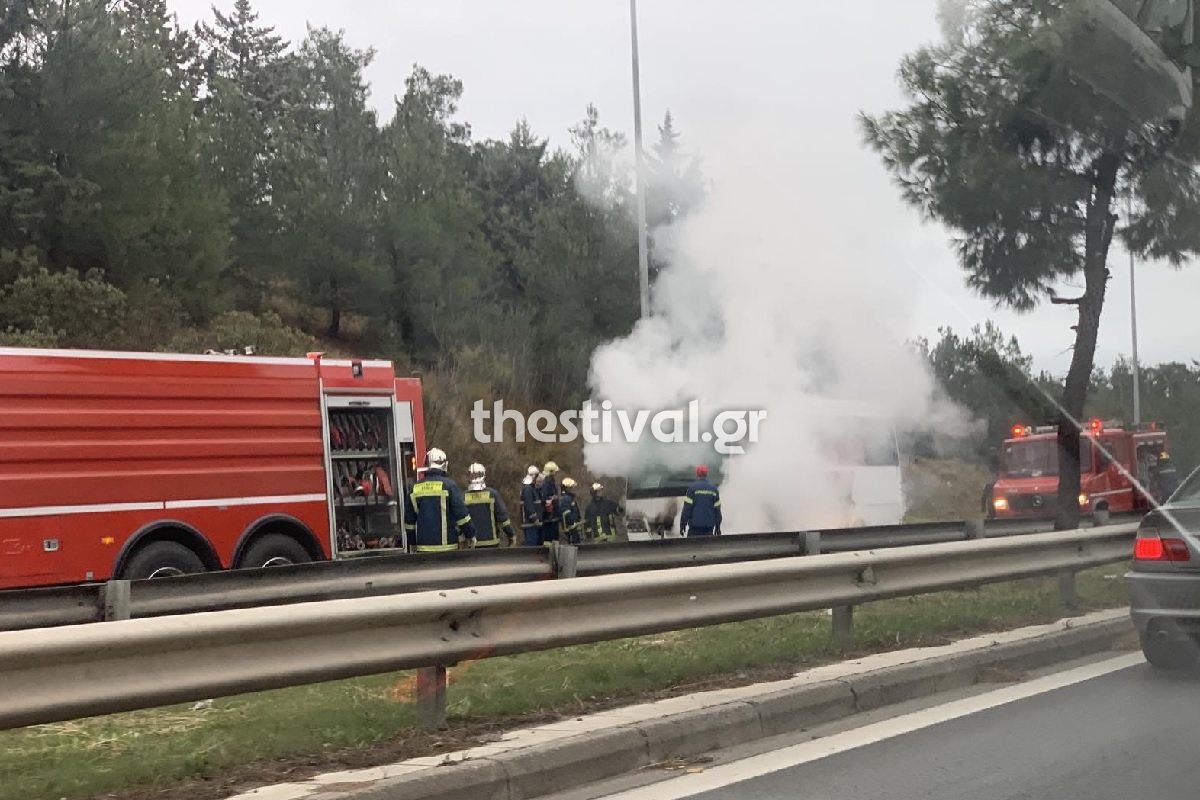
(488, 513)
(435, 507)
(701, 507)
(1166, 477)
(532, 508)
(600, 516)
(550, 498)
(569, 512)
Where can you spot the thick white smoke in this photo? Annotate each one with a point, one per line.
(797, 276)
(777, 293)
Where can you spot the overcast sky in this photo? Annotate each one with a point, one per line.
(784, 68)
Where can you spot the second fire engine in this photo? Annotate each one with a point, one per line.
(1116, 470)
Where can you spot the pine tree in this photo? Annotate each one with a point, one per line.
(1029, 174)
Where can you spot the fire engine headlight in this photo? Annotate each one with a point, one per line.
(1083, 500)
(1000, 503)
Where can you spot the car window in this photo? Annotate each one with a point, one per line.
(1189, 492)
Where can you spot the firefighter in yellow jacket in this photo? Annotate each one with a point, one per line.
(569, 512)
(488, 513)
(600, 517)
(436, 510)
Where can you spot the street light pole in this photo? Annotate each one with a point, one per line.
(643, 243)
(1137, 378)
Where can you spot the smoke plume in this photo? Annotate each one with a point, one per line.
(779, 292)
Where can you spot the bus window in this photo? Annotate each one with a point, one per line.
(666, 482)
(862, 446)
(859, 460)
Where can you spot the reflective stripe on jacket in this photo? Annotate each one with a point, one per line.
(568, 508)
(600, 518)
(435, 506)
(488, 515)
(701, 506)
(531, 506)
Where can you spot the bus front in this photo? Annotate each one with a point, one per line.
(654, 498)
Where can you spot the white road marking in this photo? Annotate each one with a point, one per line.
(746, 769)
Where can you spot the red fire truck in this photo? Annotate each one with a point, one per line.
(138, 465)
(1110, 457)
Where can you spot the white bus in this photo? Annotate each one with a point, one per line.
(859, 479)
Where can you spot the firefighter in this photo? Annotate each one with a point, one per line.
(488, 513)
(1166, 477)
(701, 514)
(600, 517)
(550, 498)
(435, 506)
(532, 508)
(568, 508)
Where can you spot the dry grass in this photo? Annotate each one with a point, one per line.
(944, 491)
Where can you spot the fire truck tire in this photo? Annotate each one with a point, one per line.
(275, 550)
(162, 560)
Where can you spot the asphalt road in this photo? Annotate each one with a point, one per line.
(1130, 733)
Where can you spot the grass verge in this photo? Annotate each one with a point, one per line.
(214, 750)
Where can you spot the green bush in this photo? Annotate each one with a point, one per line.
(236, 330)
(63, 309)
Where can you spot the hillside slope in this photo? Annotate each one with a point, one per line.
(940, 491)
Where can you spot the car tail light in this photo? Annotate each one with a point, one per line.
(1152, 547)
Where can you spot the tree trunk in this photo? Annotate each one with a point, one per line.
(401, 313)
(335, 310)
(1101, 223)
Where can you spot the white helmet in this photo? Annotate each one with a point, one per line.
(436, 459)
(478, 477)
(533, 471)
(597, 487)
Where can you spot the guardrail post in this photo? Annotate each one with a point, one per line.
(566, 560)
(114, 600)
(843, 616)
(431, 698)
(843, 625)
(1067, 591)
(1100, 517)
(975, 529)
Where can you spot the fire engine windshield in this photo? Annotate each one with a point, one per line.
(1036, 458)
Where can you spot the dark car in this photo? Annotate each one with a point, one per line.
(1164, 584)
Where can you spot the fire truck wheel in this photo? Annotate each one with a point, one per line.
(275, 550)
(162, 560)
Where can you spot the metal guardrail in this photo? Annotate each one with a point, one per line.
(65, 673)
(300, 583)
(624, 557)
(400, 574)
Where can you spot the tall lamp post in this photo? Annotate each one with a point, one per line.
(1137, 378)
(643, 244)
